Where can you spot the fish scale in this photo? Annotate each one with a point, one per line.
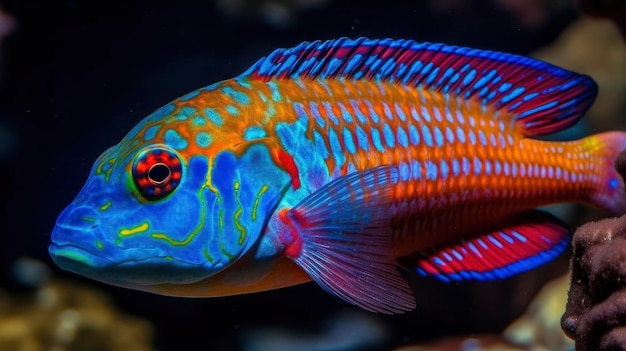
(507, 187)
(436, 185)
(335, 162)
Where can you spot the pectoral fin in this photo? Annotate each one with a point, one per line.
(345, 243)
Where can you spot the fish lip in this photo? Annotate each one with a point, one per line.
(78, 260)
(71, 253)
(84, 262)
(57, 250)
(95, 264)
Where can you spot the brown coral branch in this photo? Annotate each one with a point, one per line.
(596, 308)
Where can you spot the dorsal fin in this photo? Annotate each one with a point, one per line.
(543, 97)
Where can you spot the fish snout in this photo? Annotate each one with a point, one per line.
(74, 221)
(76, 240)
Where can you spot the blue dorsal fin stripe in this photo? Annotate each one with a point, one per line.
(526, 241)
(543, 97)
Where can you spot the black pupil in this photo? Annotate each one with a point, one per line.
(159, 174)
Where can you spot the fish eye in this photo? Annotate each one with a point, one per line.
(159, 173)
(156, 172)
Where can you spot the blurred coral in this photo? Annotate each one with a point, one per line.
(533, 13)
(539, 328)
(596, 308)
(595, 316)
(346, 330)
(613, 9)
(64, 316)
(469, 343)
(595, 47)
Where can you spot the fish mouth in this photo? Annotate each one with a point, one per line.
(83, 262)
(139, 273)
(76, 259)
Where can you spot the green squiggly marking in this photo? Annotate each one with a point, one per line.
(207, 255)
(220, 221)
(135, 230)
(105, 206)
(209, 184)
(238, 212)
(226, 253)
(240, 228)
(192, 235)
(105, 168)
(255, 205)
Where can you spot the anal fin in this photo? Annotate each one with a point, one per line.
(525, 240)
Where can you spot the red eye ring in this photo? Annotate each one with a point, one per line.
(157, 171)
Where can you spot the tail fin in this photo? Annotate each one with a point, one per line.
(609, 192)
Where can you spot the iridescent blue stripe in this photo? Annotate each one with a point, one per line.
(416, 170)
(388, 133)
(402, 137)
(400, 112)
(335, 147)
(405, 172)
(428, 139)
(349, 141)
(443, 167)
(320, 144)
(345, 114)
(329, 112)
(361, 138)
(414, 135)
(449, 135)
(376, 140)
(315, 111)
(431, 170)
(359, 115)
(438, 136)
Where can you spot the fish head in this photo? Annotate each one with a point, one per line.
(172, 203)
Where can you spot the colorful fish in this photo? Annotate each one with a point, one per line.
(333, 161)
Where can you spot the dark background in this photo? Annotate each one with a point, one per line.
(77, 75)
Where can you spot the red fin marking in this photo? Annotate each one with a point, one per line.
(294, 248)
(286, 162)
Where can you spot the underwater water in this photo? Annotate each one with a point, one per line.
(77, 75)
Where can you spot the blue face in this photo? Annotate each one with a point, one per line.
(125, 225)
(150, 214)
